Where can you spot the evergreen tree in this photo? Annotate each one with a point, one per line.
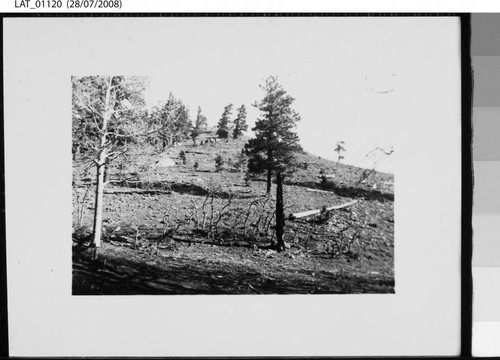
(199, 126)
(223, 126)
(275, 144)
(340, 148)
(173, 120)
(240, 123)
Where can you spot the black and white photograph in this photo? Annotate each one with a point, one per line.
(214, 178)
(263, 185)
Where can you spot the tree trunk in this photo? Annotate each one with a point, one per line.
(269, 169)
(269, 178)
(101, 164)
(99, 196)
(105, 166)
(280, 217)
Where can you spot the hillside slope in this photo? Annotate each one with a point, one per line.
(162, 218)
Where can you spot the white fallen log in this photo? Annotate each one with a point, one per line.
(317, 211)
(320, 191)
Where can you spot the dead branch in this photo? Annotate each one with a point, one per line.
(211, 224)
(80, 203)
(249, 211)
(195, 214)
(236, 222)
(204, 211)
(195, 152)
(269, 221)
(221, 211)
(260, 216)
(365, 175)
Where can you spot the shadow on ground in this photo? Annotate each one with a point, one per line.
(347, 191)
(180, 187)
(163, 275)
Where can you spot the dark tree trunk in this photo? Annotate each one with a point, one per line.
(269, 170)
(280, 217)
(269, 177)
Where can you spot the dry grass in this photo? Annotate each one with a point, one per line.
(310, 265)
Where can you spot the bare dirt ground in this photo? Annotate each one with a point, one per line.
(152, 243)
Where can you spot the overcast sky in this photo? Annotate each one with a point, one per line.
(358, 79)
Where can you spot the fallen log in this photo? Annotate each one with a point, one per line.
(137, 191)
(320, 191)
(317, 211)
(195, 152)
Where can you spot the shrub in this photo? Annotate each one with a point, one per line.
(196, 165)
(322, 177)
(323, 216)
(219, 163)
(182, 156)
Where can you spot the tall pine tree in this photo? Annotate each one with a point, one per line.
(199, 126)
(240, 123)
(275, 144)
(223, 125)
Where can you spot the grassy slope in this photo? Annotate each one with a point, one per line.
(307, 267)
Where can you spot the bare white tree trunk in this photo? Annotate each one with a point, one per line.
(99, 197)
(101, 165)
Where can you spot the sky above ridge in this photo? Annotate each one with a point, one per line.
(361, 80)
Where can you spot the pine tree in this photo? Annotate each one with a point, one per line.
(340, 148)
(240, 123)
(173, 120)
(199, 126)
(223, 126)
(275, 144)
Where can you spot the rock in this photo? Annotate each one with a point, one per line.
(165, 162)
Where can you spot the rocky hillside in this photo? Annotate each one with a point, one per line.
(180, 212)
